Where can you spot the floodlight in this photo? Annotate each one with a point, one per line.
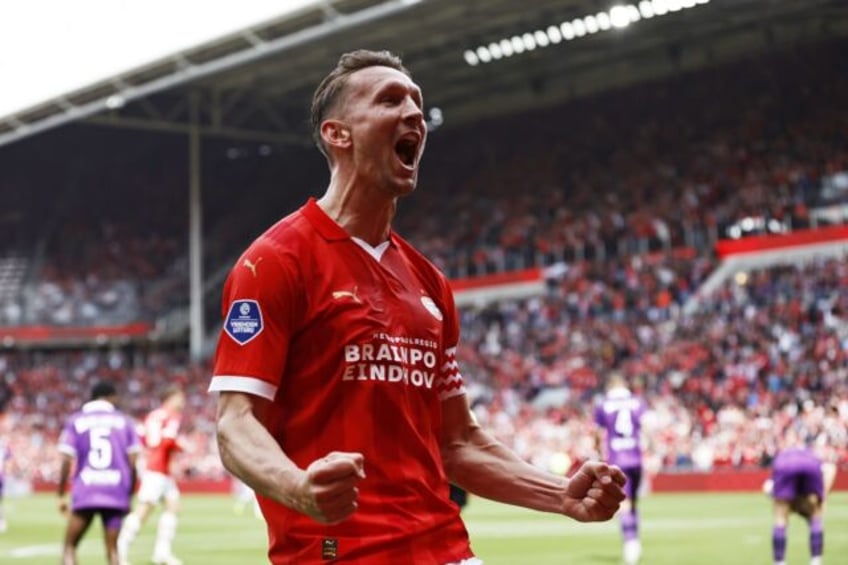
(619, 17)
(517, 44)
(115, 101)
(579, 27)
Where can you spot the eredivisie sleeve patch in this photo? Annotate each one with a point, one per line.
(244, 321)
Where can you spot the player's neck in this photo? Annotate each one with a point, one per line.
(359, 209)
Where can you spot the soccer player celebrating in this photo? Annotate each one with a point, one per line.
(797, 484)
(341, 402)
(104, 444)
(619, 414)
(160, 437)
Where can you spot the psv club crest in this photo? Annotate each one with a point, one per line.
(431, 307)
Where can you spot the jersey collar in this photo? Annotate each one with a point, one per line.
(619, 392)
(325, 225)
(98, 406)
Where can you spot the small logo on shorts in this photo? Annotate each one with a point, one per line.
(244, 321)
(329, 549)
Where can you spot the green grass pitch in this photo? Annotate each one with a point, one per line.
(690, 529)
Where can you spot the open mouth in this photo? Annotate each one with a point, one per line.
(407, 149)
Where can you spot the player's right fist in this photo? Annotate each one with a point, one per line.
(327, 490)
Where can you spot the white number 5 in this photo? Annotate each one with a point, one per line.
(100, 454)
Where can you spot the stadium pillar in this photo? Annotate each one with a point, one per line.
(195, 234)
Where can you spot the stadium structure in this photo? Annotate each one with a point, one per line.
(126, 203)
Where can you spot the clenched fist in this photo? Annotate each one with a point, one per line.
(327, 490)
(594, 493)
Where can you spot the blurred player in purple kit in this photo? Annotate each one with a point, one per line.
(798, 484)
(5, 459)
(620, 416)
(103, 442)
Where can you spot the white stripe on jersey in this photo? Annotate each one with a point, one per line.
(250, 385)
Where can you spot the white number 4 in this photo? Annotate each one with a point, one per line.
(624, 423)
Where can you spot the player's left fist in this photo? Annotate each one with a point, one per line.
(595, 492)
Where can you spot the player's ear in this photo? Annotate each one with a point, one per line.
(336, 134)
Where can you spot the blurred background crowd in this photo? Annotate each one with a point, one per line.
(627, 192)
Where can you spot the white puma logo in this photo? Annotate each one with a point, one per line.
(339, 294)
(252, 266)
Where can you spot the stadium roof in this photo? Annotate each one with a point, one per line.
(83, 42)
(256, 83)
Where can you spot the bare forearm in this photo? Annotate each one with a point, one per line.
(487, 468)
(250, 453)
(133, 460)
(64, 474)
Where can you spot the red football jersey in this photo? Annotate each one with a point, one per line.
(355, 347)
(159, 436)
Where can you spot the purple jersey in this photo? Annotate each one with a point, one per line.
(101, 439)
(5, 457)
(797, 471)
(620, 414)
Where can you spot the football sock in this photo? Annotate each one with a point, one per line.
(816, 537)
(629, 525)
(778, 543)
(128, 532)
(165, 533)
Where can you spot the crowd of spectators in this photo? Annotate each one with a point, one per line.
(102, 228)
(766, 352)
(661, 165)
(670, 163)
(628, 190)
(47, 386)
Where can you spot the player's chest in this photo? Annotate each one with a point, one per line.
(357, 296)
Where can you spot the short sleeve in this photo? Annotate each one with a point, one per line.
(67, 440)
(600, 419)
(449, 382)
(133, 441)
(260, 306)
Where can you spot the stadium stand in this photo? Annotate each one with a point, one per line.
(653, 167)
(629, 191)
